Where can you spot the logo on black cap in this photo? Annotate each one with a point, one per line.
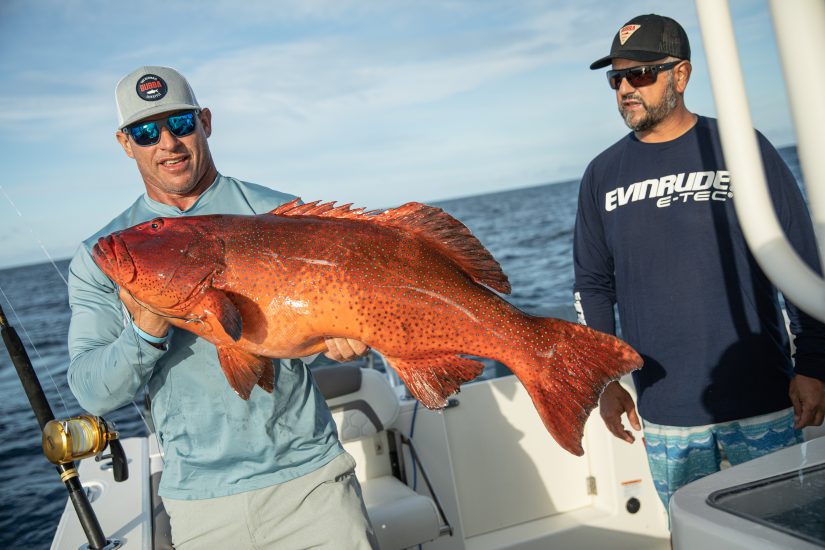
(626, 31)
(151, 87)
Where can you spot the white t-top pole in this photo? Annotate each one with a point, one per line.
(754, 209)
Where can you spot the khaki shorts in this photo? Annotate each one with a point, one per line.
(322, 509)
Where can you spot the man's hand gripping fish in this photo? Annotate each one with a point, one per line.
(412, 282)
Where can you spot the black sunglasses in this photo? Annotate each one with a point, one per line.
(148, 133)
(638, 76)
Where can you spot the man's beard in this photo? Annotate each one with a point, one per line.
(654, 114)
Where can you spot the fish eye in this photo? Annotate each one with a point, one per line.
(156, 224)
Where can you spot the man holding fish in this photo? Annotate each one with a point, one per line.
(263, 472)
(244, 279)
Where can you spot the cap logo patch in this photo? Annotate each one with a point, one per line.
(626, 32)
(151, 87)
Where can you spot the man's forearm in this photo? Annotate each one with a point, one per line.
(108, 377)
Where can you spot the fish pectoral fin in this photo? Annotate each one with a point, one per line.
(267, 379)
(218, 304)
(243, 370)
(432, 379)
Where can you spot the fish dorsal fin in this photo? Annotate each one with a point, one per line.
(429, 223)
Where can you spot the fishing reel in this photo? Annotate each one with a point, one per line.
(81, 437)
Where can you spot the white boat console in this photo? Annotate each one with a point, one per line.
(777, 501)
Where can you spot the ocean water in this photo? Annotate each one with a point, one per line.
(529, 231)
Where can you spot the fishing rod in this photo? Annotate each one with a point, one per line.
(65, 441)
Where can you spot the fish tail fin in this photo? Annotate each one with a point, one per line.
(567, 373)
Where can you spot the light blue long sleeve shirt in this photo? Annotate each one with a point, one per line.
(214, 442)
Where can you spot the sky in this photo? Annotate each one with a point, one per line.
(365, 101)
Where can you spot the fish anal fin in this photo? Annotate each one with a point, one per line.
(434, 226)
(243, 370)
(566, 379)
(217, 304)
(432, 379)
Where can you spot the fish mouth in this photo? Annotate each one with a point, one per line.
(112, 257)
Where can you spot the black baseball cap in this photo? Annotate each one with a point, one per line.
(647, 38)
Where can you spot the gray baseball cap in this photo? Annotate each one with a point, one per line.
(148, 91)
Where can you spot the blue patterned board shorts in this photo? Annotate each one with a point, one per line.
(678, 455)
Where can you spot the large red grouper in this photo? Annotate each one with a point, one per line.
(412, 282)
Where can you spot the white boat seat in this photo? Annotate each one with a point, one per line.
(364, 406)
(368, 406)
(401, 517)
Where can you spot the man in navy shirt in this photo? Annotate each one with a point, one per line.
(657, 235)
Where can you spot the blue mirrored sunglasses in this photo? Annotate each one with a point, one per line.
(148, 133)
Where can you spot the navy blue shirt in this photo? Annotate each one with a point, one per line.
(656, 233)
